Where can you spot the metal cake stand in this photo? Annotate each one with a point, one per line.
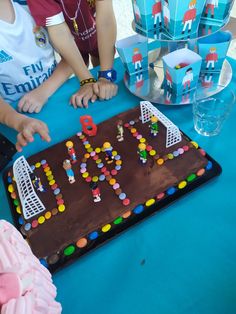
(149, 86)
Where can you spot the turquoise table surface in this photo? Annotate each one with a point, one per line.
(181, 260)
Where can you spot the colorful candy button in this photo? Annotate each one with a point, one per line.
(127, 214)
(98, 150)
(50, 177)
(180, 150)
(118, 220)
(83, 170)
(118, 191)
(18, 209)
(16, 202)
(171, 190)
(194, 144)
(126, 202)
(86, 156)
(209, 165)
(98, 161)
(118, 167)
(53, 259)
(102, 177)
(81, 243)
(21, 220)
(148, 148)
(114, 172)
(10, 188)
(43, 162)
(85, 175)
(38, 165)
(46, 169)
(176, 153)
(142, 140)
(32, 167)
(69, 250)
(112, 181)
(139, 209)
(106, 228)
(122, 196)
(59, 196)
(61, 201)
(139, 137)
(86, 145)
(13, 195)
(93, 153)
(61, 208)
(191, 177)
(48, 173)
(48, 215)
(52, 182)
(182, 185)
(114, 153)
(116, 186)
(41, 220)
(150, 202)
(131, 122)
(35, 223)
(133, 130)
(160, 196)
(27, 226)
(9, 179)
(100, 165)
(185, 148)
(44, 166)
(88, 179)
(95, 179)
(117, 157)
(118, 162)
(54, 211)
(152, 152)
(56, 191)
(160, 161)
(54, 186)
(170, 156)
(200, 172)
(202, 152)
(93, 235)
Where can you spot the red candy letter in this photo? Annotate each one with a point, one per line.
(88, 126)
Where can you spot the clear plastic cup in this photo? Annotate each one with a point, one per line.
(209, 114)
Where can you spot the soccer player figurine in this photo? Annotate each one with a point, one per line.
(142, 153)
(137, 59)
(211, 58)
(120, 129)
(188, 78)
(96, 192)
(154, 126)
(71, 151)
(108, 150)
(68, 168)
(189, 16)
(37, 183)
(137, 13)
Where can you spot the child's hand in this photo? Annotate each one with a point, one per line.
(83, 96)
(105, 89)
(27, 128)
(33, 101)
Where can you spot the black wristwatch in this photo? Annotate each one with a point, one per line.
(110, 75)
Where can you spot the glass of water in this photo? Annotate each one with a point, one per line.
(209, 114)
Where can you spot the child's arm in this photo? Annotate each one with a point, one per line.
(64, 43)
(34, 100)
(106, 35)
(25, 126)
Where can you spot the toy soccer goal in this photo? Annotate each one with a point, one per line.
(31, 204)
(173, 135)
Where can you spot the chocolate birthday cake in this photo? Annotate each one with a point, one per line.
(91, 188)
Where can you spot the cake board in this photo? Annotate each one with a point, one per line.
(72, 224)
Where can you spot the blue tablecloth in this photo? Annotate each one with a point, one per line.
(182, 260)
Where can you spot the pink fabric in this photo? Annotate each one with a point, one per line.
(25, 285)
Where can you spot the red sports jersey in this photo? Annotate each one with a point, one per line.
(96, 192)
(190, 15)
(156, 8)
(212, 57)
(51, 12)
(137, 57)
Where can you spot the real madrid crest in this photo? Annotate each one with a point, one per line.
(91, 3)
(40, 36)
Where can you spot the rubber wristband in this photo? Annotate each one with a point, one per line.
(87, 81)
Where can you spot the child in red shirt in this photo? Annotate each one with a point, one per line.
(94, 38)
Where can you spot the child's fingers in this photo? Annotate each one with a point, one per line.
(21, 103)
(96, 88)
(21, 140)
(78, 101)
(26, 106)
(73, 101)
(42, 130)
(28, 134)
(94, 98)
(85, 101)
(32, 107)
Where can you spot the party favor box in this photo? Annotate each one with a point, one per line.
(182, 17)
(217, 10)
(213, 50)
(181, 70)
(148, 14)
(133, 52)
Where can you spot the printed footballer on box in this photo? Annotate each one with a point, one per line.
(139, 83)
(213, 50)
(148, 14)
(181, 70)
(133, 52)
(217, 10)
(182, 17)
